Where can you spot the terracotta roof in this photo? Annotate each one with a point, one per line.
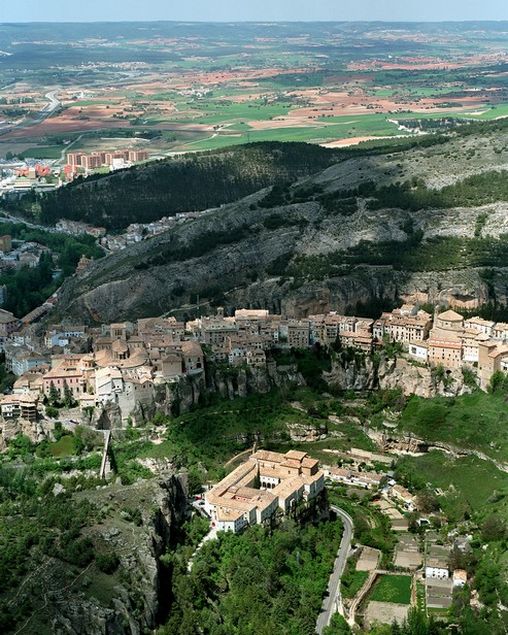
(6, 317)
(450, 316)
(444, 344)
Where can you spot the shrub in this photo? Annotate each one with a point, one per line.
(107, 562)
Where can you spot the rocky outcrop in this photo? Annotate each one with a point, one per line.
(358, 372)
(36, 431)
(108, 417)
(173, 398)
(138, 601)
(247, 265)
(362, 373)
(304, 433)
(421, 381)
(397, 443)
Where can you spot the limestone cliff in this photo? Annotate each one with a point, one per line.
(133, 599)
(245, 254)
(36, 431)
(368, 373)
(182, 395)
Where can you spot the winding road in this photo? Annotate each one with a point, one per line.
(332, 602)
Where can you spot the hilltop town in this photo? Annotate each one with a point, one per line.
(123, 365)
(247, 383)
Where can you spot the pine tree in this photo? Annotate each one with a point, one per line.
(54, 395)
(69, 400)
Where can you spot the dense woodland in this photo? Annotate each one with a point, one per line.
(163, 188)
(255, 583)
(35, 525)
(145, 193)
(265, 580)
(29, 287)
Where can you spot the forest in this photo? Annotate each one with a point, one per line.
(255, 583)
(29, 287)
(163, 188)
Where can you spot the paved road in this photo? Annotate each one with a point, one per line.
(53, 103)
(37, 117)
(332, 602)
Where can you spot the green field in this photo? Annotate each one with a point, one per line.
(478, 421)
(331, 128)
(214, 113)
(309, 134)
(352, 582)
(392, 588)
(363, 125)
(42, 152)
(483, 112)
(66, 446)
(468, 483)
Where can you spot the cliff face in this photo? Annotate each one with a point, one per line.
(190, 391)
(133, 599)
(9, 429)
(245, 255)
(364, 373)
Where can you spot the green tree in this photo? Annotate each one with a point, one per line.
(494, 528)
(68, 398)
(54, 395)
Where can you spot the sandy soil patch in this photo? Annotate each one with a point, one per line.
(385, 612)
(368, 559)
(350, 141)
(426, 63)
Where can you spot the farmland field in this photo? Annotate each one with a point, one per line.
(392, 588)
(173, 89)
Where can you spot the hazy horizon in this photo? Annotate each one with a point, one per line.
(261, 11)
(154, 21)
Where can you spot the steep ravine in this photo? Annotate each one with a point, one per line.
(134, 599)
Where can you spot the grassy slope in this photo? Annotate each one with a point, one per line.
(468, 483)
(478, 421)
(392, 588)
(211, 435)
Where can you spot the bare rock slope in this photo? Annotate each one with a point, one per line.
(322, 246)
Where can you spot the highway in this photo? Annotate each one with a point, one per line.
(332, 602)
(37, 117)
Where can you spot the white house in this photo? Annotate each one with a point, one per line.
(436, 569)
(418, 351)
(108, 383)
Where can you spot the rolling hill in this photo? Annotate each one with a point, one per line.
(429, 222)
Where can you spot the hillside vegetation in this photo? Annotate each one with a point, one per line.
(184, 183)
(256, 584)
(366, 228)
